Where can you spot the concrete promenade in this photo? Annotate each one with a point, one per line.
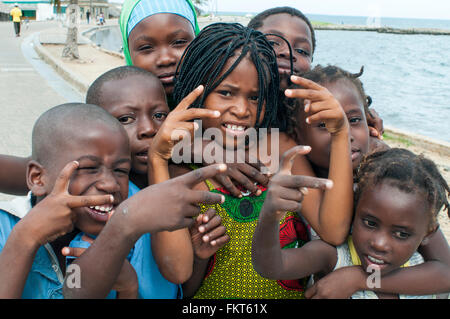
(28, 87)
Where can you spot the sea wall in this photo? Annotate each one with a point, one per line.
(380, 29)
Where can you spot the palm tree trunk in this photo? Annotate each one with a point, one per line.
(73, 14)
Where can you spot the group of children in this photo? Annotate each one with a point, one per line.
(106, 199)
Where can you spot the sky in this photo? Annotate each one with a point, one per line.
(426, 9)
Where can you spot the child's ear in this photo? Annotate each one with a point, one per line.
(426, 239)
(36, 178)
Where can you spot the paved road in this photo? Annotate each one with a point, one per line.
(28, 87)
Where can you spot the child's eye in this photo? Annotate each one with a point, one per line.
(126, 119)
(123, 171)
(88, 169)
(369, 223)
(401, 234)
(145, 47)
(161, 116)
(355, 120)
(224, 93)
(322, 125)
(302, 52)
(180, 42)
(254, 98)
(273, 43)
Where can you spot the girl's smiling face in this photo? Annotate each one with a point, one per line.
(236, 98)
(318, 137)
(139, 103)
(157, 43)
(389, 225)
(297, 32)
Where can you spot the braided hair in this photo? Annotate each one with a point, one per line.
(204, 60)
(325, 75)
(410, 173)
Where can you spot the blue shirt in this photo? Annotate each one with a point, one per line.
(45, 279)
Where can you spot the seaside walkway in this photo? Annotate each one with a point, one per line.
(28, 87)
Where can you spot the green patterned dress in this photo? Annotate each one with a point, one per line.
(230, 273)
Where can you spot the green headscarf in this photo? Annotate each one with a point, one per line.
(127, 9)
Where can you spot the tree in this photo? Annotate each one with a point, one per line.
(198, 4)
(72, 17)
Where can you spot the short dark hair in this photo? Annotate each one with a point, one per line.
(94, 93)
(61, 123)
(408, 172)
(205, 57)
(257, 21)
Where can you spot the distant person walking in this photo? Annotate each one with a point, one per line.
(88, 15)
(16, 13)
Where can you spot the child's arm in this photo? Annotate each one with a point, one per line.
(285, 194)
(329, 215)
(431, 277)
(126, 285)
(170, 205)
(13, 171)
(173, 250)
(208, 236)
(48, 220)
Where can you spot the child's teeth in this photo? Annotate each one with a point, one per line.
(102, 208)
(376, 261)
(235, 127)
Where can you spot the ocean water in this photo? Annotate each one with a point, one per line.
(403, 23)
(407, 76)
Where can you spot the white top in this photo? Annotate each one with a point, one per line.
(344, 259)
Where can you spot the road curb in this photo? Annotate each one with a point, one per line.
(73, 79)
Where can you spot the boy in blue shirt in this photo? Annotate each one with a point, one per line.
(78, 177)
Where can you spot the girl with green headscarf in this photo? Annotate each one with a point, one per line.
(155, 34)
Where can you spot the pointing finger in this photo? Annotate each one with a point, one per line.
(199, 175)
(197, 113)
(63, 180)
(305, 83)
(72, 251)
(288, 157)
(299, 181)
(189, 99)
(92, 200)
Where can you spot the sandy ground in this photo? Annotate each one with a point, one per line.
(94, 62)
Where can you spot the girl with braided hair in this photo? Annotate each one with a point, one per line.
(397, 200)
(349, 91)
(237, 68)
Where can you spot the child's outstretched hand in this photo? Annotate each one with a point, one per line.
(53, 216)
(126, 283)
(286, 191)
(320, 105)
(177, 125)
(169, 205)
(208, 234)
